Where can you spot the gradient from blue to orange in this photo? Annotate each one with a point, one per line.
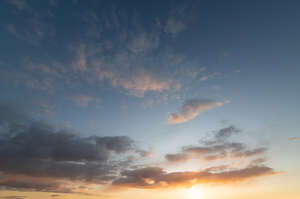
(166, 75)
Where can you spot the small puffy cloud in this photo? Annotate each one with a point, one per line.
(179, 157)
(84, 100)
(222, 135)
(191, 109)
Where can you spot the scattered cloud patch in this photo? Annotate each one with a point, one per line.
(85, 100)
(179, 157)
(80, 59)
(19, 4)
(155, 177)
(294, 138)
(219, 147)
(222, 135)
(36, 156)
(174, 26)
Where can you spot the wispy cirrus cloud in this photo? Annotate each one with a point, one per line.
(127, 58)
(191, 109)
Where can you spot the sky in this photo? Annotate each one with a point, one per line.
(155, 99)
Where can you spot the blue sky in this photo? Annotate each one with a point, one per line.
(164, 73)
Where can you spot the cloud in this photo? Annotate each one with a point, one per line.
(174, 26)
(191, 109)
(233, 150)
(294, 138)
(144, 42)
(21, 182)
(155, 177)
(19, 4)
(36, 156)
(222, 135)
(227, 132)
(13, 197)
(33, 30)
(136, 83)
(37, 151)
(140, 84)
(42, 144)
(84, 100)
(109, 51)
(218, 148)
(180, 157)
(80, 62)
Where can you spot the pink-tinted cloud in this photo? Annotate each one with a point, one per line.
(191, 109)
(80, 61)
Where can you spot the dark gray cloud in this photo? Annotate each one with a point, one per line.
(42, 141)
(179, 157)
(36, 149)
(23, 183)
(227, 132)
(39, 151)
(222, 135)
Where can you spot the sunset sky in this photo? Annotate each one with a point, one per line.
(149, 99)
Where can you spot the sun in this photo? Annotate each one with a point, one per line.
(195, 193)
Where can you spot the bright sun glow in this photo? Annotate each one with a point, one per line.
(195, 193)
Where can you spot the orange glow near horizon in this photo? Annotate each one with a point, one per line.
(195, 193)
